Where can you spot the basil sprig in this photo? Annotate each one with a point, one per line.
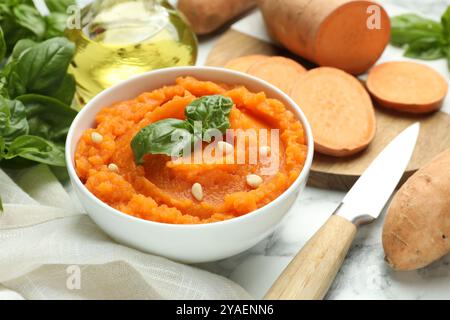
(171, 136)
(422, 38)
(19, 19)
(35, 93)
(35, 89)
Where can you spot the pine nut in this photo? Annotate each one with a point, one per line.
(224, 146)
(264, 151)
(197, 191)
(113, 167)
(254, 180)
(96, 137)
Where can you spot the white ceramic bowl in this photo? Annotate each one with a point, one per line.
(186, 243)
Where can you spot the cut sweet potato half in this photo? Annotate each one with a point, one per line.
(407, 87)
(279, 71)
(339, 110)
(243, 64)
(346, 34)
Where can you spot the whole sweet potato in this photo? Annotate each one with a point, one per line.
(417, 227)
(207, 16)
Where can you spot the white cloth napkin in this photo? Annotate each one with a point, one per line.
(51, 250)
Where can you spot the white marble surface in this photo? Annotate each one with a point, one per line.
(364, 275)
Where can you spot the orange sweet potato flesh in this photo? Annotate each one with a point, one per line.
(280, 71)
(407, 87)
(243, 64)
(330, 32)
(416, 231)
(207, 16)
(339, 110)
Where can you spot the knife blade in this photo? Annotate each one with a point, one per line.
(312, 271)
(368, 196)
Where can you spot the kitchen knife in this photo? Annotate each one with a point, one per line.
(312, 271)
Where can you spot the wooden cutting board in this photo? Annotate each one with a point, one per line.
(341, 173)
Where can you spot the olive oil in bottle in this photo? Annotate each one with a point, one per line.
(118, 39)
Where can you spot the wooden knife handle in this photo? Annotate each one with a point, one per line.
(311, 273)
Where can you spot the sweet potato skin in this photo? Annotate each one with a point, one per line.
(417, 227)
(207, 16)
(330, 33)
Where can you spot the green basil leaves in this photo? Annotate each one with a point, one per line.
(34, 128)
(35, 89)
(19, 19)
(13, 121)
(212, 112)
(36, 149)
(171, 136)
(41, 68)
(35, 97)
(422, 38)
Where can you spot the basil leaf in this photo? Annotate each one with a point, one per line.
(2, 46)
(56, 24)
(168, 136)
(425, 49)
(22, 46)
(47, 117)
(407, 28)
(66, 90)
(445, 21)
(212, 111)
(40, 69)
(13, 31)
(1, 205)
(56, 21)
(59, 5)
(36, 149)
(13, 121)
(28, 17)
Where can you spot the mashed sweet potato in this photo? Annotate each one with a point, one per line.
(160, 189)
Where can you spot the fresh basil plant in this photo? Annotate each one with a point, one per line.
(35, 89)
(35, 96)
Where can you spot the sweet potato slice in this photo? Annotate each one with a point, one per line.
(407, 87)
(346, 34)
(279, 71)
(416, 231)
(244, 63)
(339, 110)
